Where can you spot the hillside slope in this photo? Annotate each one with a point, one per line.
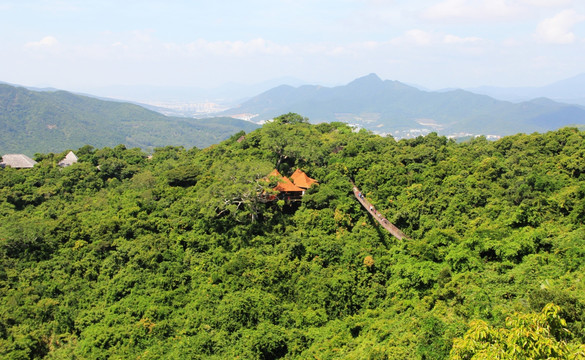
(51, 121)
(393, 107)
(181, 257)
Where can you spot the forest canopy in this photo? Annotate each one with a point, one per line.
(176, 256)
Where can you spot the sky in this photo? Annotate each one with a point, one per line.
(79, 45)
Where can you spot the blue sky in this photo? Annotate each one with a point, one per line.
(80, 45)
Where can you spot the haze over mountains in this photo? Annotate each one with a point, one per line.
(47, 120)
(403, 111)
(227, 94)
(53, 121)
(570, 90)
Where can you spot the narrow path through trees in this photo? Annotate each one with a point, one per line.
(392, 229)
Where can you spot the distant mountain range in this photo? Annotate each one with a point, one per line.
(570, 91)
(402, 110)
(49, 120)
(53, 121)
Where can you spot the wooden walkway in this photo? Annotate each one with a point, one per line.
(392, 229)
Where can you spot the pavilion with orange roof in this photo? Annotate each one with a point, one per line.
(301, 179)
(290, 190)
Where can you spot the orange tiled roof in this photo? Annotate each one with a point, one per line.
(301, 179)
(284, 184)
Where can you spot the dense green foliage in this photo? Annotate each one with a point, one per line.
(40, 122)
(178, 257)
(525, 336)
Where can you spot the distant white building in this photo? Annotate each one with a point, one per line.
(68, 160)
(17, 161)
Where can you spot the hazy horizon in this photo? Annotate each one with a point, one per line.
(434, 44)
(232, 94)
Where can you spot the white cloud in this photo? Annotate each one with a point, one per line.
(414, 37)
(142, 35)
(512, 43)
(547, 3)
(468, 10)
(452, 39)
(46, 42)
(371, 45)
(257, 46)
(337, 51)
(423, 38)
(139, 45)
(557, 29)
(419, 37)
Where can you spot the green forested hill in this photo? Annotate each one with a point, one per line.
(176, 257)
(52, 121)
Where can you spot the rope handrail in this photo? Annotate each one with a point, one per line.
(391, 228)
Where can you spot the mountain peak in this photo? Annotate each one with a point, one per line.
(368, 79)
(371, 81)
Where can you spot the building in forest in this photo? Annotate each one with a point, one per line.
(290, 190)
(301, 179)
(68, 160)
(17, 161)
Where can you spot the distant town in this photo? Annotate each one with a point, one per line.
(193, 109)
(204, 109)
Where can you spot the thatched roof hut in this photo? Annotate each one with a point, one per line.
(68, 160)
(17, 161)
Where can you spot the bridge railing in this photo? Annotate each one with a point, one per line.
(391, 228)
